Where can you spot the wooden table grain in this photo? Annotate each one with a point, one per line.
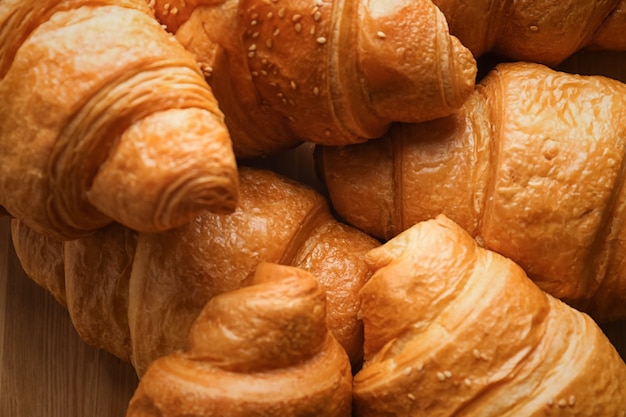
(46, 370)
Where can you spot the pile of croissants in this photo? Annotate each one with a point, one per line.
(462, 240)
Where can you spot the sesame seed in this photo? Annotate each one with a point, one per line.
(252, 47)
(298, 27)
(562, 403)
(447, 374)
(381, 34)
(254, 16)
(407, 371)
(572, 400)
(255, 74)
(321, 40)
(327, 132)
(420, 367)
(476, 353)
(174, 10)
(316, 91)
(251, 54)
(166, 6)
(293, 85)
(281, 12)
(318, 3)
(296, 17)
(467, 382)
(254, 22)
(269, 43)
(255, 35)
(317, 16)
(270, 15)
(534, 28)
(312, 31)
(441, 376)
(276, 32)
(207, 70)
(411, 396)
(551, 402)
(264, 73)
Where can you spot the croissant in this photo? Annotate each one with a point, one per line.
(331, 72)
(531, 167)
(136, 294)
(454, 329)
(105, 117)
(262, 350)
(545, 32)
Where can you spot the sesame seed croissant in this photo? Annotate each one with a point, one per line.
(105, 117)
(453, 329)
(322, 71)
(262, 350)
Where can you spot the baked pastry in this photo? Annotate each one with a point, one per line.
(454, 329)
(322, 71)
(545, 32)
(106, 117)
(137, 294)
(262, 350)
(531, 167)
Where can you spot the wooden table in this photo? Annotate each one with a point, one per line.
(45, 368)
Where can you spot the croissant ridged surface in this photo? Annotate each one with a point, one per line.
(532, 166)
(136, 294)
(331, 72)
(453, 329)
(542, 31)
(262, 350)
(105, 116)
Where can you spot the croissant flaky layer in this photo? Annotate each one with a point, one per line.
(262, 350)
(454, 329)
(532, 166)
(331, 72)
(105, 117)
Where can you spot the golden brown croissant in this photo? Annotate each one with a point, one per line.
(532, 166)
(332, 72)
(543, 31)
(262, 350)
(453, 329)
(136, 294)
(105, 116)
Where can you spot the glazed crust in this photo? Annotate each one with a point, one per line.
(95, 96)
(279, 221)
(531, 166)
(257, 351)
(331, 72)
(137, 294)
(544, 31)
(462, 330)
